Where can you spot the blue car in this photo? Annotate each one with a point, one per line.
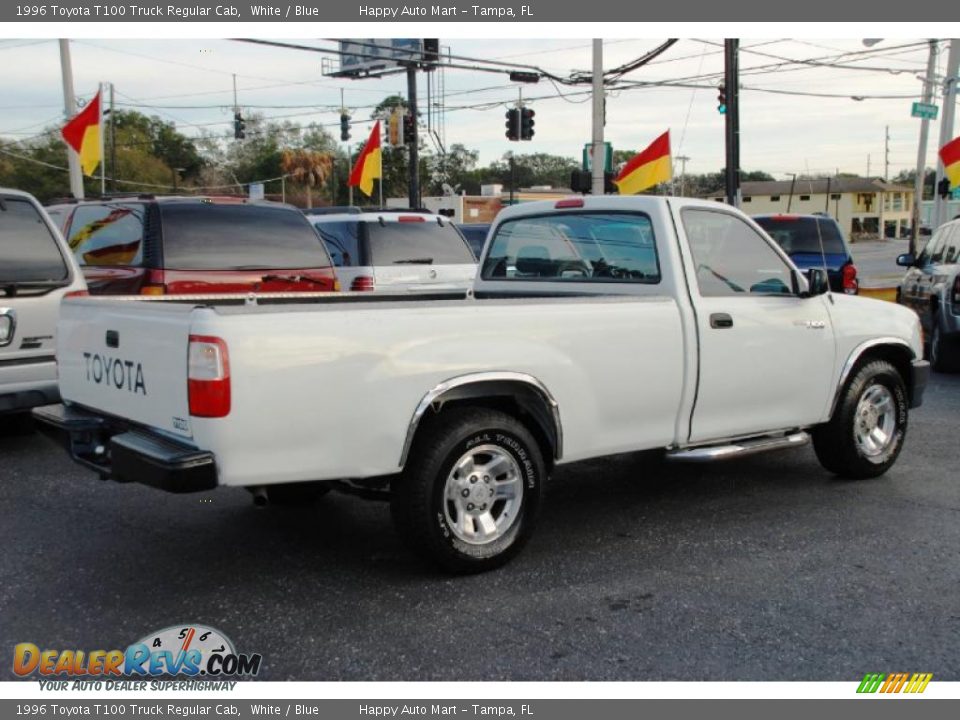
(814, 241)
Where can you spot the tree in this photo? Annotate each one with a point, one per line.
(306, 167)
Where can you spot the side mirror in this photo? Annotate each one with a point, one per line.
(818, 282)
(906, 260)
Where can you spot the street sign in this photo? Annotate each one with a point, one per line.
(924, 110)
(588, 157)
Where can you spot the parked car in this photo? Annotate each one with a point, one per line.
(36, 272)
(156, 245)
(931, 286)
(814, 241)
(651, 323)
(396, 250)
(476, 235)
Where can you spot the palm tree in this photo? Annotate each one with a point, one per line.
(307, 168)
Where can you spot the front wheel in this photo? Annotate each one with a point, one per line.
(865, 435)
(469, 496)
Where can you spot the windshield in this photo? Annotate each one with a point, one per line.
(799, 234)
(28, 250)
(208, 236)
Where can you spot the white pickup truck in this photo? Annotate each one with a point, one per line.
(595, 326)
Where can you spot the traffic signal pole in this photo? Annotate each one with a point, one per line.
(731, 82)
(946, 125)
(69, 110)
(922, 149)
(414, 182)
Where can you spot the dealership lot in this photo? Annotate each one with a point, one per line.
(759, 569)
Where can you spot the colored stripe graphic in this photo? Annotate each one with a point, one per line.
(892, 683)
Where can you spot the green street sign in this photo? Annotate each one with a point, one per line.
(924, 110)
(608, 157)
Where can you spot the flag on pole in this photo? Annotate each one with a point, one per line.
(646, 168)
(369, 163)
(950, 154)
(82, 133)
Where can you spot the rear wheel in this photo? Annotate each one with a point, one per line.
(470, 494)
(865, 435)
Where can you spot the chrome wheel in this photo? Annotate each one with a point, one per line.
(875, 421)
(483, 494)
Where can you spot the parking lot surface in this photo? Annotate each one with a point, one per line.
(764, 568)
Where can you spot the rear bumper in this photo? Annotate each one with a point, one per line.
(27, 382)
(118, 451)
(19, 400)
(918, 382)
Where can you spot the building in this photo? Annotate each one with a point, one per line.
(864, 207)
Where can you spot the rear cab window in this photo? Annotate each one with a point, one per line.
(577, 247)
(108, 234)
(211, 236)
(342, 238)
(423, 241)
(29, 252)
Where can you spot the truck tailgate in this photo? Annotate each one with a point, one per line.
(127, 358)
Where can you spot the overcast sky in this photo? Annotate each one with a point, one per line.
(190, 82)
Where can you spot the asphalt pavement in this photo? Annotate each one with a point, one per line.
(764, 568)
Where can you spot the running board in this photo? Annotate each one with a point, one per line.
(739, 449)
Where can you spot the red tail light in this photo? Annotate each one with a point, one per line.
(208, 377)
(574, 202)
(851, 286)
(77, 293)
(411, 218)
(362, 282)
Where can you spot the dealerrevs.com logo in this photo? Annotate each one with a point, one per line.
(188, 650)
(889, 683)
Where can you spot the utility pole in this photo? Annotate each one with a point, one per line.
(683, 174)
(731, 79)
(598, 164)
(868, 164)
(69, 110)
(886, 154)
(927, 98)
(946, 123)
(113, 144)
(414, 182)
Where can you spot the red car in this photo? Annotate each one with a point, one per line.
(156, 245)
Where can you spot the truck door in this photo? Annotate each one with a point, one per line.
(766, 355)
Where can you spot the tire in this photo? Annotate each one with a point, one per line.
(440, 503)
(942, 353)
(865, 435)
(295, 494)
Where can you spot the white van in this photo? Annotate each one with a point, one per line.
(36, 271)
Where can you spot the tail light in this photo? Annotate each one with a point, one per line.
(153, 283)
(77, 293)
(851, 286)
(362, 282)
(208, 377)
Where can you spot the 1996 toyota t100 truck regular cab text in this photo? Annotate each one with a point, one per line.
(595, 326)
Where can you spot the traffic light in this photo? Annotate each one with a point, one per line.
(409, 129)
(513, 124)
(608, 187)
(526, 123)
(239, 126)
(344, 126)
(943, 188)
(722, 100)
(431, 52)
(393, 129)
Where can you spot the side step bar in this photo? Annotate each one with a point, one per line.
(741, 448)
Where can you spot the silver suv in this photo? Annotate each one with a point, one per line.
(396, 250)
(36, 271)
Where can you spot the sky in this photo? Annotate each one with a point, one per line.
(189, 82)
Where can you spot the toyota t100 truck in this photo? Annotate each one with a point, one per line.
(595, 326)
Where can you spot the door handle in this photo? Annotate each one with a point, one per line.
(721, 321)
